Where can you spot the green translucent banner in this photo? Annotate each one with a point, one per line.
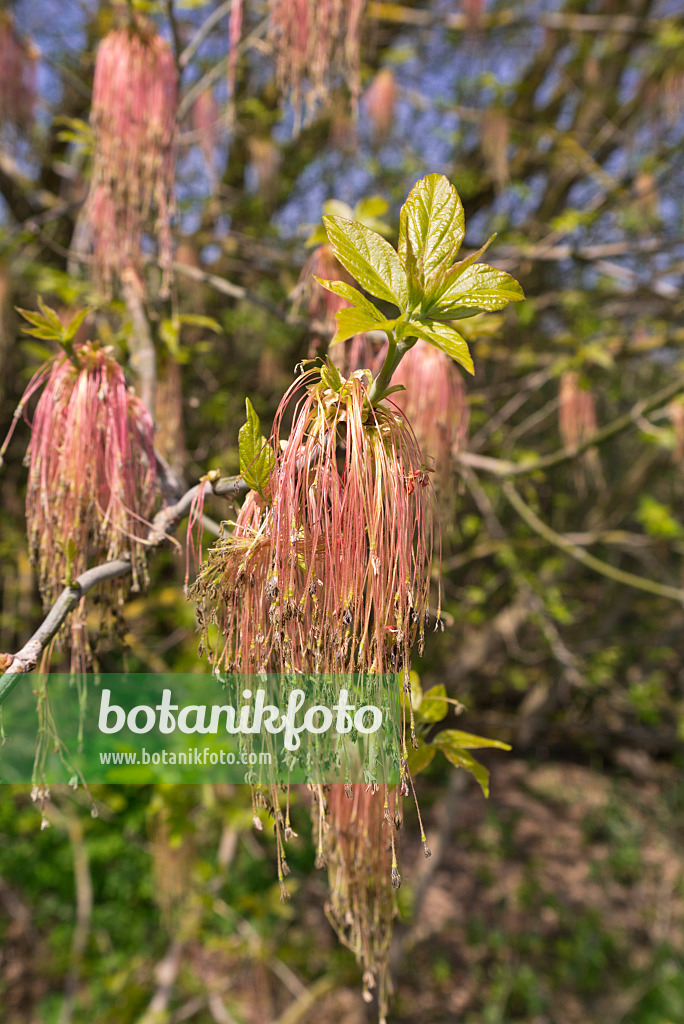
(197, 728)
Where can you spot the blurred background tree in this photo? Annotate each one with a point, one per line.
(561, 125)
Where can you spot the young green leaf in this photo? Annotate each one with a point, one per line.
(353, 295)
(443, 337)
(420, 757)
(71, 330)
(369, 258)
(467, 740)
(441, 281)
(462, 759)
(330, 376)
(434, 705)
(353, 320)
(50, 315)
(480, 286)
(256, 458)
(431, 226)
(197, 320)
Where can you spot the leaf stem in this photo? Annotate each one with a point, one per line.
(396, 350)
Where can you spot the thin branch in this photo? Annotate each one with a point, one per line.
(534, 383)
(236, 291)
(175, 34)
(506, 468)
(163, 525)
(560, 21)
(202, 33)
(218, 70)
(604, 568)
(300, 1007)
(83, 885)
(143, 355)
(542, 251)
(166, 971)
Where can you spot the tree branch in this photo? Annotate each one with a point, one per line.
(163, 525)
(561, 21)
(202, 33)
(175, 34)
(506, 468)
(213, 75)
(236, 291)
(604, 568)
(143, 355)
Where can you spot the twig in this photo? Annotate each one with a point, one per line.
(410, 935)
(202, 33)
(513, 18)
(219, 69)
(167, 972)
(534, 383)
(565, 658)
(591, 562)
(236, 291)
(143, 356)
(83, 885)
(589, 252)
(307, 1000)
(163, 525)
(175, 34)
(506, 468)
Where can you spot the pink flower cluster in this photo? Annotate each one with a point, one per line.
(135, 99)
(314, 41)
(331, 571)
(358, 846)
(92, 479)
(434, 403)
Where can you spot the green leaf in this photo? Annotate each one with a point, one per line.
(354, 320)
(336, 208)
(353, 295)
(369, 258)
(444, 338)
(421, 757)
(443, 279)
(416, 692)
(47, 325)
(467, 740)
(370, 208)
(431, 226)
(169, 332)
(434, 705)
(462, 759)
(71, 329)
(50, 315)
(44, 333)
(257, 461)
(478, 285)
(197, 320)
(393, 389)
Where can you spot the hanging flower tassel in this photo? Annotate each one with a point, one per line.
(92, 480)
(314, 41)
(135, 99)
(359, 849)
(434, 403)
(333, 574)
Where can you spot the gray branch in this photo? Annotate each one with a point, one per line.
(161, 529)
